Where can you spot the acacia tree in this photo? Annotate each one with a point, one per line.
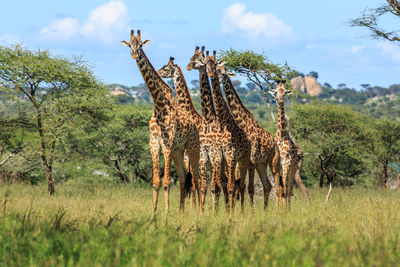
(123, 143)
(258, 69)
(387, 145)
(337, 139)
(58, 90)
(370, 20)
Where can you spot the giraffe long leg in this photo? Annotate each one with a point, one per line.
(167, 177)
(178, 160)
(193, 152)
(193, 189)
(267, 187)
(231, 176)
(243, 166)
(203, 185)
(285, 177)
(155, 156)
(221, 186)
(275, 167)
(250, 187)
(292, 174)
(216, 177)
(237, 181)
(224, 181)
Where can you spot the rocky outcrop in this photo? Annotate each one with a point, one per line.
(307, 84)
(298, 84)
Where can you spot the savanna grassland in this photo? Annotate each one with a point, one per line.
(113, 225)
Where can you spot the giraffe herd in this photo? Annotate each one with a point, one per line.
(226, 137)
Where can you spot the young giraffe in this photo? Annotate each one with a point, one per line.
(237, 146)
(172, 70)
(170, 127)
(264, 150)
(211, 134)
(289, 151)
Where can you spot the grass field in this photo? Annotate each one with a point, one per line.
(112, 225)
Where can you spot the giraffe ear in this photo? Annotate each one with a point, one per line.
(124, 43)
(288, 92)
(146, 42)
(231, 74)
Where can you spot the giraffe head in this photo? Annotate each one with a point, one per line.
(211, 63)
(197, 60)
(280, 91)
(135, 43)
(167, 71)
(220, 70)
(216, 66)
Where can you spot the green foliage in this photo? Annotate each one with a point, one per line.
(335, 136)
(60, 93)
(256, 67)
(112, 226)
(313, 74)
(387, 142)
(124, 143)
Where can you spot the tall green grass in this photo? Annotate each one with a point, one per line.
(113, 225)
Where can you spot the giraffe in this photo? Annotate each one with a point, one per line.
(172, 70)
(236, 145)
(211, 133)
(290, 153)
(264, 150)
(171, 130)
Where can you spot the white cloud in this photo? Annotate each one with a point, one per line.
(9, 39)
(236, 19)
(354, 49)
(103, 23)
(106, 20)
(393, 51)
(61, 29)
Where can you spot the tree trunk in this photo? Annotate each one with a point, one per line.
(50, 183)
(122, 176)
(47, 165)
(329, 191)
(385, 175)
(321, 179)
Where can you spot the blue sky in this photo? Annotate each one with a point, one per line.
(309, 35)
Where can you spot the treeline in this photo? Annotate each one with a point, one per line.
(374, 100)
(58, 123)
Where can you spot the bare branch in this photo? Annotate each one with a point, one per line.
(369, 20)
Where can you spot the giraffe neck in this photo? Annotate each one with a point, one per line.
(223, 112)
(160, 92)
(182, 91)
(281, 132)
(207, 103)
(240, 113)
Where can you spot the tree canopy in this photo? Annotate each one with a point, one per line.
(55, 91)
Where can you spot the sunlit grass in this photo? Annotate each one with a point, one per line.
(113, 225)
